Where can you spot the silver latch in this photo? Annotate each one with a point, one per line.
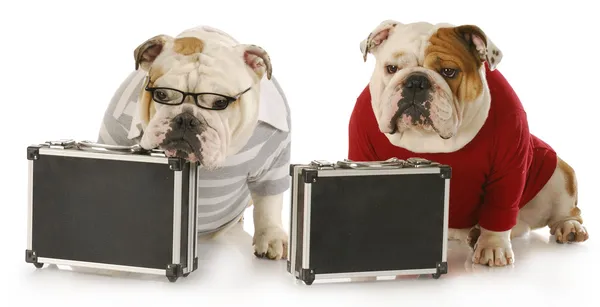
(61, 144)
(389, 163)
(157, 152)
(420, 162)
(322, 164)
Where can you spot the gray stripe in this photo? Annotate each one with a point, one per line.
(225, 172)
(212, 192)
(241, 204)
(269, 187)
(117, 131)
(233, 208)
(118, 95)
(125, 121)
(117, 125)
(262, 132)
(205, 209)
(284, 157)
(270, 147)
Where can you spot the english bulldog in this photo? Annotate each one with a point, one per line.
(430, 97)
(204, 97)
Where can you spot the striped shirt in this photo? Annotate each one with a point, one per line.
(260, 167)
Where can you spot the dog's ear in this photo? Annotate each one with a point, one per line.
(147, 52)
(377, 37)
(257, 59)
(481, 44)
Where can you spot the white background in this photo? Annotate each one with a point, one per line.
(61, 62)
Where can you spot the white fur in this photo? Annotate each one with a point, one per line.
(269, 236)
(552, 205)
(463, 122)
(493, 248)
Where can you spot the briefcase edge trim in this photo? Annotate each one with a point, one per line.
(310, 173)
(172, 271)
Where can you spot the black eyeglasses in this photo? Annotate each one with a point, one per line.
(206, 100)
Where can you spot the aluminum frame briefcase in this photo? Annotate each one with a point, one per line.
(368, 219)
(111, 207)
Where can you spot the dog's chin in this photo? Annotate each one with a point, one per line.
(181, 149)
(210, 162)
(426, 129)
(183, 154)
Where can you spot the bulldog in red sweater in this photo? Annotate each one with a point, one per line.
(435, 93)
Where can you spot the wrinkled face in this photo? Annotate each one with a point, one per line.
(201, 96)
(427, 75)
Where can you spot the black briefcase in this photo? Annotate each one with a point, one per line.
(368, 219)
(111, 208)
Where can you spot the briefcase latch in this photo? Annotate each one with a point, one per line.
(389, 163)
(61, 144)
(322, 164)
(420, 162)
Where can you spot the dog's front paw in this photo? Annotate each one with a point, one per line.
(569, 231)
(271, 243)
(493, 248)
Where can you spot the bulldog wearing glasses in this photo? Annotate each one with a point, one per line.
(204, 97)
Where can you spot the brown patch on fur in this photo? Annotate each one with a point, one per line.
(575, 211)
(397, 54)
(147, 108)
(570, 187)
(188, 45)
(449, 49)
(570, 182)
(154, 74)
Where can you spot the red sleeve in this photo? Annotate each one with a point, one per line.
(511, 156)
(362, 118)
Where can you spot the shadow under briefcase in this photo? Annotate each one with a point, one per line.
(368, 219)
(111, 207)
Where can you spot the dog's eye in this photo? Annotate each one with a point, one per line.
(161, 95)
(449, 72)
(220, 103)
(391, 69)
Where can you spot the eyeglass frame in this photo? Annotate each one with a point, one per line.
(229, 99)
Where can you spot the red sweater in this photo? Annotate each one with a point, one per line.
(493, 176)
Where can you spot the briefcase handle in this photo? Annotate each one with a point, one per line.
(102, 148)
(120, 149)
(389, 163)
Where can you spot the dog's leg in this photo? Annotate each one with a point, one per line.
(493, 248)
(472, 234)
(555, 206)
(270, 240)
(565, 217)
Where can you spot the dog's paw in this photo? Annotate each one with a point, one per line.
(270, 243)
(569, 231)
(493, 249)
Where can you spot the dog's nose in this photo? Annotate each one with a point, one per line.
(417, 82)
(185, 120)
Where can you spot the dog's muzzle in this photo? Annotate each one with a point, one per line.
(416, 100)
(183, 138)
